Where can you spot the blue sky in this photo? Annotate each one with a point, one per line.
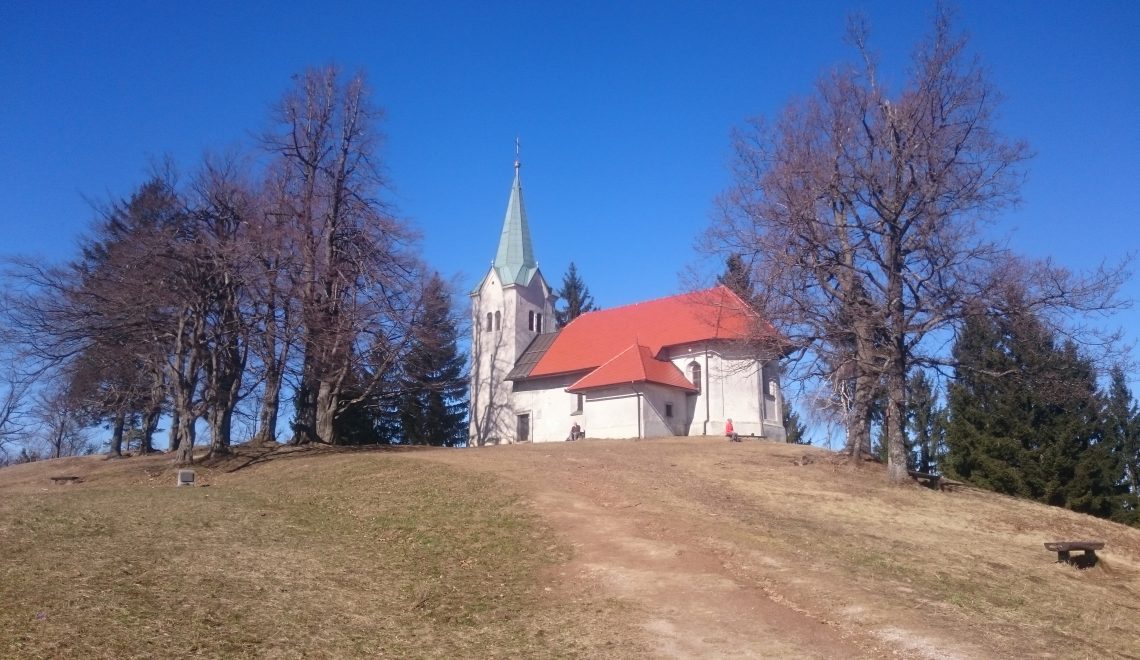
(624, 112)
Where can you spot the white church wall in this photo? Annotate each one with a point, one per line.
(657, 403)
(695, 407)
(733, 386)
(611, 413)
(549, 405)
(739, 385)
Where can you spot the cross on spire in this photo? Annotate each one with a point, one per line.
(517, 152)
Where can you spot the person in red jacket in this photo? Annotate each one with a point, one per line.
(730, 432)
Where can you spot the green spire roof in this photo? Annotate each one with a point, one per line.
(515, 258)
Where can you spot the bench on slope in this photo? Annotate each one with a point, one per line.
(1085, 560)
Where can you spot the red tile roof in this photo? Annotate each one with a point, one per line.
(633, 365)
(595, 338)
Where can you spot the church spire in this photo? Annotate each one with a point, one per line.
(515, 258)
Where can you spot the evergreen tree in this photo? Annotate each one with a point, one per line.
(737, 278)
(1025, 417)
(926, 424)
(1122, 436)
(575, 295)
(794, 430)
(433, 403)
(387, 405)
(360, 421)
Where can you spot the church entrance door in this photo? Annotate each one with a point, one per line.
(523, 428)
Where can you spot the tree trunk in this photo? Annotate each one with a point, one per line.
(859, 425)
(859, 429)
(305, 408)
(185, 430)
(270, 405)
(222, 412)
(149, 424)
(327, 402)
(154, 410)
(896, 420)
(173, 435)
(183, 377)
(221, 423)
(116, 450)
(897, 367)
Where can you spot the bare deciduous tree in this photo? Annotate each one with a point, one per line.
(188, 300)
(863, 213)
(58, 423)
(13, 392)
(355, 272)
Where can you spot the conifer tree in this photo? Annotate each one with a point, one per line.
(737, 278)
(575, 295)
(1025, 417)
(1122, 436)
(795, 432)
(433, 404)
(926, 423)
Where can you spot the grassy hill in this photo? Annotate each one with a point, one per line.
(673, 547)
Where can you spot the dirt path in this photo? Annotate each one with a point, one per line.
(695, 591)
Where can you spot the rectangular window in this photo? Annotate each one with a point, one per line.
(530, 320)
(538, 323)
(668, 410)
(579, 400)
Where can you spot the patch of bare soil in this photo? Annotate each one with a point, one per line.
(769, 550)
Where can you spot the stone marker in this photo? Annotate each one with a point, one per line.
(185, 478)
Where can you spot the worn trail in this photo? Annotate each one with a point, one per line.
(664, 557)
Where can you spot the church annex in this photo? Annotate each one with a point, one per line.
(680, 365)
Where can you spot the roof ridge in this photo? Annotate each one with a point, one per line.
(616, 356)
(655, 300)
(645, 369)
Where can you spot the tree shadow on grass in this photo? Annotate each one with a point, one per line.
(244, 456)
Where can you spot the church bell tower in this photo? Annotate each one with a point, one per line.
(511, 306)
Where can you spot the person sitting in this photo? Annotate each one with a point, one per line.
(730, 432)
(575, 432)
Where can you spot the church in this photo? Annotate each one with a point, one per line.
(681, 365)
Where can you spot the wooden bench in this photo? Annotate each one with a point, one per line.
(66, 480)
(1063, 548)
(932, 481)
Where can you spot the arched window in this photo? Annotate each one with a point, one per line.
(530, 320)
(538, 323)
(488, 321)
(695, 370)
(498, 321)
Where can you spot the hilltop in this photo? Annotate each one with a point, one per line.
(672, 547)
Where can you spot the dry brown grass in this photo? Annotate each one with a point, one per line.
(928, 574)
(972, 562)
(444, 554)
(361, 554)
